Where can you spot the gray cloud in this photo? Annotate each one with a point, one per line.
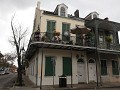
(19, 4)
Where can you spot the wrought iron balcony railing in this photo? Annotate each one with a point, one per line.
(61, 39)
(109, 46)
(69, 40)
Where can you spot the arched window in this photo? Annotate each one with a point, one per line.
(62, 12)
(80, 60)
(91, 61)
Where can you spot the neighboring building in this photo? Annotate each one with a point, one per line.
(56, 48)
(107, 49)
(1, 59)
(13, 69)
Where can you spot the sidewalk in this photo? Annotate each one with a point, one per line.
(31, 86)
(28, 82)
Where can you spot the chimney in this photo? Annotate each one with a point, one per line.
(76, 13)
(106, 18)
(38, 5)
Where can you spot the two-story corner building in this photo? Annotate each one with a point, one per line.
(61, 45)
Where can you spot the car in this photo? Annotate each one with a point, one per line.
(2, 71)
(7, 71)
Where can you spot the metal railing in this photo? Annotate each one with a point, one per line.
(109, 46)
(60, 39)
(70, 40)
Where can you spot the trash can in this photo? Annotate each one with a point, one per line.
(62, 81)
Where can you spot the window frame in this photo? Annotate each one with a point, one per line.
(50, 28)
(66, 28)
(104, 67)
(62, 11)
(114, 68)
(101, 36)
(67, 67)
(47, 73)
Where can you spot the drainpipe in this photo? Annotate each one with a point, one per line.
(87, 72)
(99, 61)
(53, 62)
(118, 63)
(71, 68)
(96, 53)
(36, 70)
(41, 69)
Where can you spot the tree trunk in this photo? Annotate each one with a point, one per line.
(19, 79)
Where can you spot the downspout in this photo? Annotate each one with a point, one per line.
(99, 61)
(118, 63)
(71, 68)
(41, 69)
(53, 61)
(87, 72)
(96, 52)
(36, 70)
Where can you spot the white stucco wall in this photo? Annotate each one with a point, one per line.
(48, 80)
(59, 21)
(41, 20)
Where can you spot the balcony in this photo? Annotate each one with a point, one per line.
(58, 38)
(108, 46)
(59, 41)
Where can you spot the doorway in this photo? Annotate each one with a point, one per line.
(92, 70)
(81, 70)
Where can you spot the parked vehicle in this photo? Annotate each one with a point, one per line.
(2, 71)
(7, 71)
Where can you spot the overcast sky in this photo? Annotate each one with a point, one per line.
(24, 11)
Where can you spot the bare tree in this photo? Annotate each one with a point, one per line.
(9, 57)
(18, 42)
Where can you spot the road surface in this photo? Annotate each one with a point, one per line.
(7, 80)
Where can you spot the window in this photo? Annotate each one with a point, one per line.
(95, 16)
(111, 35)
(50, 28)
(101, 36)
(80, 60)
(67, 66)
(62, 12)
(65, 31)
(115, 69)
(49, 66)
(91, 61)
(103, 67)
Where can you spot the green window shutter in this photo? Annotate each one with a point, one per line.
(49, 66)
(67, 66)
(65, 27)
(53, 27)
(50, 28)
(68, 27)
(115, 69)
(103, 67)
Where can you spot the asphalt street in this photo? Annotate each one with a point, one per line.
(7, 80)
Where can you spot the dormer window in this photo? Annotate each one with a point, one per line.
(95, 16)
(62, 12)
(92, 15)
